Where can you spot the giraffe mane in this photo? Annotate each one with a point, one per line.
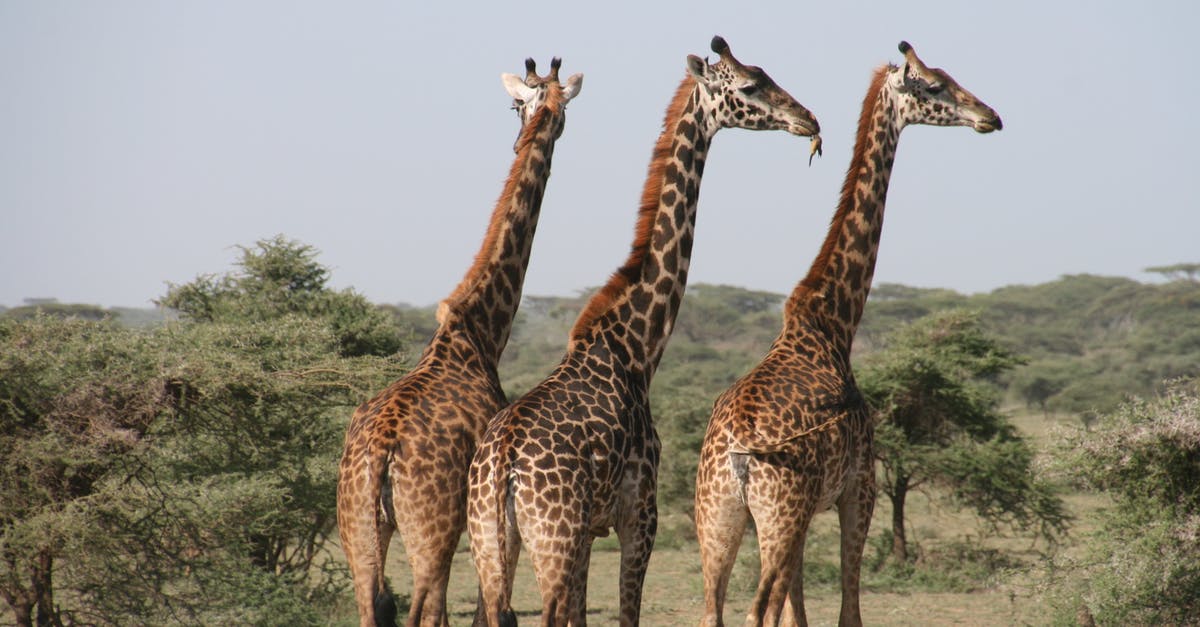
(630, 271)
(491, 239)
(812, 283)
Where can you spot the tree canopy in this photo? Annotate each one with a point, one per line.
(938, 423)
(278, 277)
(185, 473)
(1185, 271)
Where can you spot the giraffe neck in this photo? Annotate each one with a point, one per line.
(636, 309)
(837, 283)
(485, 303)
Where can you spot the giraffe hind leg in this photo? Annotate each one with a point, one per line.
(430, 535)
(636, 530)
(783, 505)
(855, 506)
(364, 535)
(496, 572)
(721, 518)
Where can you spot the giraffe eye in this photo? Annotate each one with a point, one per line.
(749, 90)
(936, 88)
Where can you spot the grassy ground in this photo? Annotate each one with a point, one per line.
(674, 595)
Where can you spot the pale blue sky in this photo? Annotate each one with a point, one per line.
(141, 141)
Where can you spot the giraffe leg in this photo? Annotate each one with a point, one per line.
(855, 506)
(782, 504)
(793, 610)
(364, 537)
(493, 608)
(721, 519)
(430, 545)
(556, 567)
(780, 555)
(578, 611)
(495, 571)
(555, 547)
(430, 533)
(636, 530)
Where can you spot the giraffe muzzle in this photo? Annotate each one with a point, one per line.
(987, 126)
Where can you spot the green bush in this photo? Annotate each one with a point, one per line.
(1142, 565)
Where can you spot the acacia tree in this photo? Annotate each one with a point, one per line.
(938, 423)
(75, 399)
(1186, 271)
(266, 408)
(280, 277)
(186, 473)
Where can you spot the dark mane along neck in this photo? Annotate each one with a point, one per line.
(815, 283)
(631, 271)
(491, 288)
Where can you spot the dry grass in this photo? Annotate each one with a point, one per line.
(674, 594)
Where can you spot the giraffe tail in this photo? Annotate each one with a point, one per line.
(386, 611)
(502, 488)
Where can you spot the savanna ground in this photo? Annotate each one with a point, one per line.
(674, 595)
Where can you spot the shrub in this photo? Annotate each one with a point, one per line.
(1142, 565)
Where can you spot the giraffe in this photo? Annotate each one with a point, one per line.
(793, 436)
(578, 455)
(404, 467)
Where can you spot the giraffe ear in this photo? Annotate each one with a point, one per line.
(697, 67)
(517, 87)
(573, 86)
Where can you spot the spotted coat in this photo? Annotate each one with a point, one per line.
(577, 456)
(404, 467)
(793, 436)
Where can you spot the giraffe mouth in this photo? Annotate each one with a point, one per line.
(805, 129)
(987, 126)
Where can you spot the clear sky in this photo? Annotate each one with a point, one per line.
(142, 141)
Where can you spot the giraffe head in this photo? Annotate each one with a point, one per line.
(530, 93)
(931, 96)
(744, 96)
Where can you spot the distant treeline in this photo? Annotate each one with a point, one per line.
(1090, 341)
